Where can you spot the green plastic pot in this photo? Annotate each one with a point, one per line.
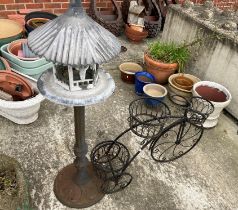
(4, 64)
(24, 64)
(32, 72)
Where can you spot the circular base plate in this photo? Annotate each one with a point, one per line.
(72, 195)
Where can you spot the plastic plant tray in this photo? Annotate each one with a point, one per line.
(32, 72)
(22, 63)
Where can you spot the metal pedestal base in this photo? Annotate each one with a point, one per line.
(71, 194)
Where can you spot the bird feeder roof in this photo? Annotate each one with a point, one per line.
(74, 39)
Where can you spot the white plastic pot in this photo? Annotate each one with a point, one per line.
(212, 120)
(21, 112)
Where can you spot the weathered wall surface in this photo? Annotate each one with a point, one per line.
(215, 60)
(8, 7)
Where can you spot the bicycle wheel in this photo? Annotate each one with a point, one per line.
(115, 185)
(175, 141)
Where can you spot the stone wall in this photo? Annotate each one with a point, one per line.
(215, 60)
(8, 7)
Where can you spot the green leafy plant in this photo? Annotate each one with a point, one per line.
(170, 53)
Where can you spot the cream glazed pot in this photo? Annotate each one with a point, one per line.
(213, 118)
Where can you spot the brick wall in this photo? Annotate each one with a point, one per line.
(59, 6)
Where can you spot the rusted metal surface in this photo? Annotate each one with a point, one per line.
(74, 39)
(76, 185)
(112, 22)
(73, 195)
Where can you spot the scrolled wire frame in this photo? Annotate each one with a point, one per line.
(149, 118)
(110, 159)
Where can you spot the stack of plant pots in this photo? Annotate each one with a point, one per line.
(27, 64)
(181, 85)
(19, 97)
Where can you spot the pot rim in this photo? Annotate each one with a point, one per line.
(17, 33)
(128, 72)
(158, 85)
(146, 54)
(216, 85)
(22, 104)
(195, 80)
(13, 43)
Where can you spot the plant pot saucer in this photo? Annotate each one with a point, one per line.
(183, 82)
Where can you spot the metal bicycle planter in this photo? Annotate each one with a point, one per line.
(148, 119)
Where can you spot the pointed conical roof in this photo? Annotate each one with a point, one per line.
(74, 39)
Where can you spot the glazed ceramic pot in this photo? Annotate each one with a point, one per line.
(128, 70)
(219, 96)
(175, 92)
(183, 82)
(14, 31)
(37, 22)
(37, 14)
(160, 70)
(20, 45)
(141, 79)
(134, 35)
(154, 91)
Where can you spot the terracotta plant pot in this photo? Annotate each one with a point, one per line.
(161, 71)
(183, 82)
(16, 46)
(128, 71)
(135, 36)
(15, 85)
(137, 28)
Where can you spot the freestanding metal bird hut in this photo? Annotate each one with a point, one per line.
(77, 45)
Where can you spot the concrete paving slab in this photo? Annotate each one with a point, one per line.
(205, 178)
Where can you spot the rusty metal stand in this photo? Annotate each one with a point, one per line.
(77, 185)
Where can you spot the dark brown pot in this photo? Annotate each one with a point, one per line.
(128, 71)
(134, 35)
(183, 82)
(160, 70)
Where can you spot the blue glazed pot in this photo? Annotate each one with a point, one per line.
(141, 79)
(155, 93)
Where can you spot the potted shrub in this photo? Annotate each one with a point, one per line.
(163, 59)
(13, 187)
